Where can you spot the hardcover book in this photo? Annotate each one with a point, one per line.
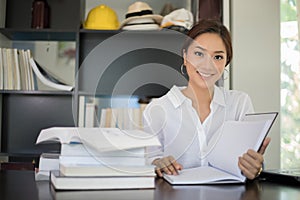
(61, 182)
(81, 169)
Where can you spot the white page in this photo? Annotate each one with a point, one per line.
(58, 134)
(115, 139)
(99, 139)
(235, 139)
(201, 175)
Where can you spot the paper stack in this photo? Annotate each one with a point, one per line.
(101, 158)
(47, 162)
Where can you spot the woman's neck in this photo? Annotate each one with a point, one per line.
(201, 99)
(200, 95)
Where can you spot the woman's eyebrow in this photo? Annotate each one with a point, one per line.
(203, 49)
(199, 47)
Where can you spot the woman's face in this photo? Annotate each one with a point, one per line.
(205, 60)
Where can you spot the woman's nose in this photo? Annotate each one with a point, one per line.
(207, 62)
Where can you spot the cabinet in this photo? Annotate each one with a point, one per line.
(25, 113)
(109, 64)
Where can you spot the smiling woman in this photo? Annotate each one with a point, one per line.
(207, 60)
(188, 119)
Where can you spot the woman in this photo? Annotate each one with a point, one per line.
(187, 119)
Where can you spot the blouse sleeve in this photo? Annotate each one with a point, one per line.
(152, 125)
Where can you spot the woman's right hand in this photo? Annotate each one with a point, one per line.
(166, 165)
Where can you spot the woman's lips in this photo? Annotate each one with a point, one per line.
(205, 75)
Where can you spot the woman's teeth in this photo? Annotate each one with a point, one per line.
(204, 74)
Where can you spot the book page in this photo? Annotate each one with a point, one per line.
(235, 138)
(99, 139)
(111, 139)
(45, 80)
(59, 134)
(201, 175)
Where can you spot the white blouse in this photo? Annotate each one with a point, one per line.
(179, 129)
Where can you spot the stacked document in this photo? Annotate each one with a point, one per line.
(100, 158)
(47, 162)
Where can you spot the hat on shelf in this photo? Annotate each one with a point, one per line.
(140, 17)
(102, 17)
(179, 19)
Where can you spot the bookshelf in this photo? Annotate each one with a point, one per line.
(108, 64)
(25, 113)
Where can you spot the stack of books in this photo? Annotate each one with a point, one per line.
(47, 162)
(101, 158)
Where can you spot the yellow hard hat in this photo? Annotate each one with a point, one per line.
(102, 17)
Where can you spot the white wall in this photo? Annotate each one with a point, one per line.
(226, 22)
(255, 28)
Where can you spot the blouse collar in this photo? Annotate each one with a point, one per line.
(177, 97)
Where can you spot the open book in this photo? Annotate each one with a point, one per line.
(99, 139)
(234, 139)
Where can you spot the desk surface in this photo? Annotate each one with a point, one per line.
(21, 185)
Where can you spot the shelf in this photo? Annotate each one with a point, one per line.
(36, 92)
(140, 32)
(89, 94)
(29, 154)
(39, 34)
(99, 31)
(64, 14)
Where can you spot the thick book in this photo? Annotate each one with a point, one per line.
(47, 162)
(105, 160)
(145, 194)
(61, 182)
(88, 169)
(79, 149)
(99, 139)
(232, 141)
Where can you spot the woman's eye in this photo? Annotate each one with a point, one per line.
(218, 57)
(198, 53)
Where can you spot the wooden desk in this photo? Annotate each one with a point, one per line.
(21, 185)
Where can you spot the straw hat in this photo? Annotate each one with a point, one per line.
(140, 10)
(141, 24)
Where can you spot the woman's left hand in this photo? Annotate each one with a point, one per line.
(251, 162)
